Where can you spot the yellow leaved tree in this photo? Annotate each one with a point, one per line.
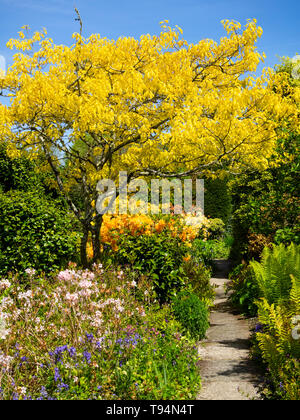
(155, 106)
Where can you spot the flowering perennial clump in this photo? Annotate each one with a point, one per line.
(91, 335)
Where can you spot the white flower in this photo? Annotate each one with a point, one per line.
(3, 331)
(97, 322)
(72, 297)
(85, 293)
(5, 360)
(25, 295)
(23, 390)
(4, 284)
(30, 271)
(6, 302)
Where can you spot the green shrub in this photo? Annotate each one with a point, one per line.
(23, 174)
(278, 342)
(159, 256)
(266, 203)
(287, 235)
(207, 251)
(192, 313)
(35, 233)
(199, 279)
(17, 174)
(217, 199)
(203, 251)
(243, 289)
(273, 273)
(216, 228)
(277, 277)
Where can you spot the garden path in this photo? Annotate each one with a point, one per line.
(226, 370)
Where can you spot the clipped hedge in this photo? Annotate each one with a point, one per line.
(35, 232)
(217, 199)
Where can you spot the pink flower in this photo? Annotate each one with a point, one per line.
(66, 275)
(88, 275)
(85, 284)
(5, 360)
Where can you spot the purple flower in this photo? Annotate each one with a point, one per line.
(57, 376)
(72, 352)
(23, 360)
(59, 350)
(63, 386)
(87, 356)
(58, 353)
(258, 328)
(44, 392)
(100, 343)
(89, 337)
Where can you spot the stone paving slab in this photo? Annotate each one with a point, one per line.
(226, 369)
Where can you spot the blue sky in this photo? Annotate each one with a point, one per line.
(198, 19)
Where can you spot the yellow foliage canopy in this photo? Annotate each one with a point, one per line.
(152, 106)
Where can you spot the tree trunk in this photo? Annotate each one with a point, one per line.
(83, 245)
(96, 239)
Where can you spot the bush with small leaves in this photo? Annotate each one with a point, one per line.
(34, 233)
(192, 313)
